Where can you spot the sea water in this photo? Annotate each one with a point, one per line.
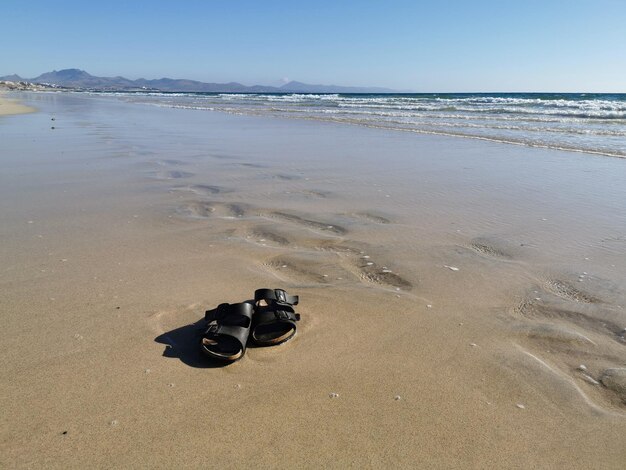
(581, 122)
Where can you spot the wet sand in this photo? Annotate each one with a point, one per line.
(451, 292)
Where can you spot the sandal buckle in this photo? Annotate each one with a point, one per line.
(281, 295)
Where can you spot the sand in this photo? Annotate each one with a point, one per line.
(8, 107)
(497, 272)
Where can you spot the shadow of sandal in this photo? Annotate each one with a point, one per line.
(184, 343)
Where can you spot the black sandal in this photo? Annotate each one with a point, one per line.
(228, 328)
(274, 320)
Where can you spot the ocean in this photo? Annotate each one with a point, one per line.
(581, 122)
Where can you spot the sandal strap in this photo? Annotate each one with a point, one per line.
(269, 315)
(286, 315)
(230, 320)
(240, 333)
(278, 296)
(227, 314)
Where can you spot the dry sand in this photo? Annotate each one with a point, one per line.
(496, 272)
(8, 107)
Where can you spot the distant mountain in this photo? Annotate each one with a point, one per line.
(299, 87)
(12, 78)
(79, 79)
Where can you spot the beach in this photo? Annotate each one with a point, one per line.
(8, 107)
(463, 301)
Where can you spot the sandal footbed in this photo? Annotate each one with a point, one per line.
(273, 333)
(221, 349)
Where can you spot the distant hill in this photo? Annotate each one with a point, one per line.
(79, 79)
(298, 87)
(12, 78)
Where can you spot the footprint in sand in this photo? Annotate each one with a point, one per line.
(286, 177)
(370, 271)
(566, 291)
(170, 162)
(614, 379)
(317, 193)
(307, 193)
(202, 189)
(172, 174)
(353, 257)
(370, 217)
(267, 235)
(565, 310)
(353, 260)
(322, 260)
(207, 209)
(308, 223)
(251, 165)
(568, 327)
(307, 269)
(491, 248)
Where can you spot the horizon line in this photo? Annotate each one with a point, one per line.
(278, 87)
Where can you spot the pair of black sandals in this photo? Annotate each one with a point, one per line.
(267, 321)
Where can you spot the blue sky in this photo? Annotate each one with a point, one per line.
(479, 45)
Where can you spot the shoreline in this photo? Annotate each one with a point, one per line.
(450, 291)
(382, 127)
(469, 117)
